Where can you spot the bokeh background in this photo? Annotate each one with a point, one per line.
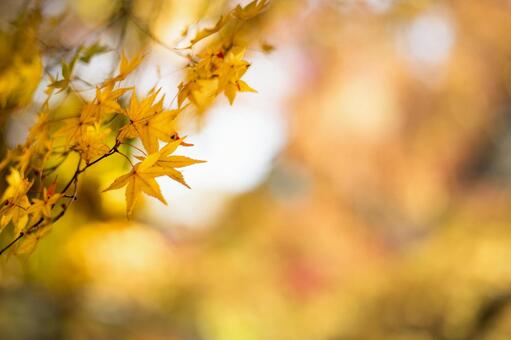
(362, 193)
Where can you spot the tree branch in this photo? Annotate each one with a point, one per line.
(65, 207)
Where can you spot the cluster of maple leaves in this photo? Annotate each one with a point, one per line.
(33, 201)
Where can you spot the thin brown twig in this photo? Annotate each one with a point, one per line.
(135, 147)
(153, 37)
(125, 156)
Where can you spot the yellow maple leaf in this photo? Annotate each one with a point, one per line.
(230, 73)
(206, 32)
(170, 163)
(74, 127)
(201, 92)
(126, 68)
(91, 144)
(43, 207)
(107, 100)
(149, 121)
(234, 87)
(234, 66)
(140, 179)
(15, 201)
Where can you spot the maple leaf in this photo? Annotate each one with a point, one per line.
(206, 32)
(91, 144)
(218, 69)
(17, 185)
(140, 179)
(126, 67)
(231, 72)
(104, 103)
(89, 52)
(43, 207)
(170, 163)
(200, 92)
(74, 127)
(234, 66)
(149, 121)
(38, 144)
(66, 72)
(234, 87)
(106, 100)
(15, 200)
(187, 91)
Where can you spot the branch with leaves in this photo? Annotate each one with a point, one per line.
(116, 118)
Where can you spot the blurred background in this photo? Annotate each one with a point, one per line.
(363, 193)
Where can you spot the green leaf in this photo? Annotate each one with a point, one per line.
(89, 52)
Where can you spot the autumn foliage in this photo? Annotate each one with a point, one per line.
(118, 122)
